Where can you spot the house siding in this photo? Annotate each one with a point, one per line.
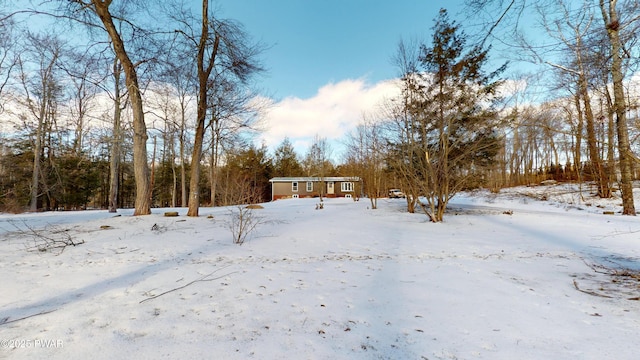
(282, 187)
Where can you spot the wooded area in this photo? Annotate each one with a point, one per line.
(137, 115)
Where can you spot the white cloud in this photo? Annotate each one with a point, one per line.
(336, 109)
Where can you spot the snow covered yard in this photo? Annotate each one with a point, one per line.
(344, 282)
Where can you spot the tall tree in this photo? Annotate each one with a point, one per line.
(81, 70)
(403, 118)
(365, 152)
(116, 137)
(205, 66)
(457, 128)
(613, 26)
(234, 116)
(179, 73)
(572, 29)
(222, 54)
(42, 92)
(101, 9)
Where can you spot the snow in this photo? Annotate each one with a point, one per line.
(343, 282)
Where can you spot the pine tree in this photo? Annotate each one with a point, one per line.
(455, 126)
(285, 161)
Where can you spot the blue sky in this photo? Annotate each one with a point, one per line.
(329, 61)
(316, 42)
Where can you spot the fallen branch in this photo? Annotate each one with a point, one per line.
(49, 238)
(7, 321)
(575, 284)
(201, 279)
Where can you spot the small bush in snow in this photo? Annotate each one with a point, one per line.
(243, 222)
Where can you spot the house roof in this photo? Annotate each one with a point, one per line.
(315, 179)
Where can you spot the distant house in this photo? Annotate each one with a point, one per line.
(306, 187)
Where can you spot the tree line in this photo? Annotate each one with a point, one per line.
(75, 106)
(458, 124)
(142, 115)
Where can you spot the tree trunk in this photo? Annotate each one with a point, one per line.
(612, 25)
(114, 163)
(602, 178)
(214, 164)
(577, 158)
(35, 176)
(46, 79)
(174, 173)
(203, 77)
(140, 165)
(194, 193)
(183, 171)
(153, 171)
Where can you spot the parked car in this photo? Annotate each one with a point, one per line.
(395, 194)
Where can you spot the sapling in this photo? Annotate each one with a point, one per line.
(243, 222)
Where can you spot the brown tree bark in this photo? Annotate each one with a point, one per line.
(183, 171)
(114, 163)
(602, 178)
(140, 165)
(612, 24)
(204, 71)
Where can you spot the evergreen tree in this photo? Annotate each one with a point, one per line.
(454, 126)
(245, 177)
(285, 161)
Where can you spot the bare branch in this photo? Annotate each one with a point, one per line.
(201, 279)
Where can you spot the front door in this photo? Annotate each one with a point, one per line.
(330, 190)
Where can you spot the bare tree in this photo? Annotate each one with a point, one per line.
(613, 27)
(117, 134)
(317, 161)
(8, 56)
(206, 44)
(42, 93)
(235, 114)
(179, 74)
(366, 152)
(620, 32)
(222, 51)
(402, 120)
(573, 29)
(101, 9)
(81, 69)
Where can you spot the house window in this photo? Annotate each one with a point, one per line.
(309, 186)
(294, 186)
(346, 187)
